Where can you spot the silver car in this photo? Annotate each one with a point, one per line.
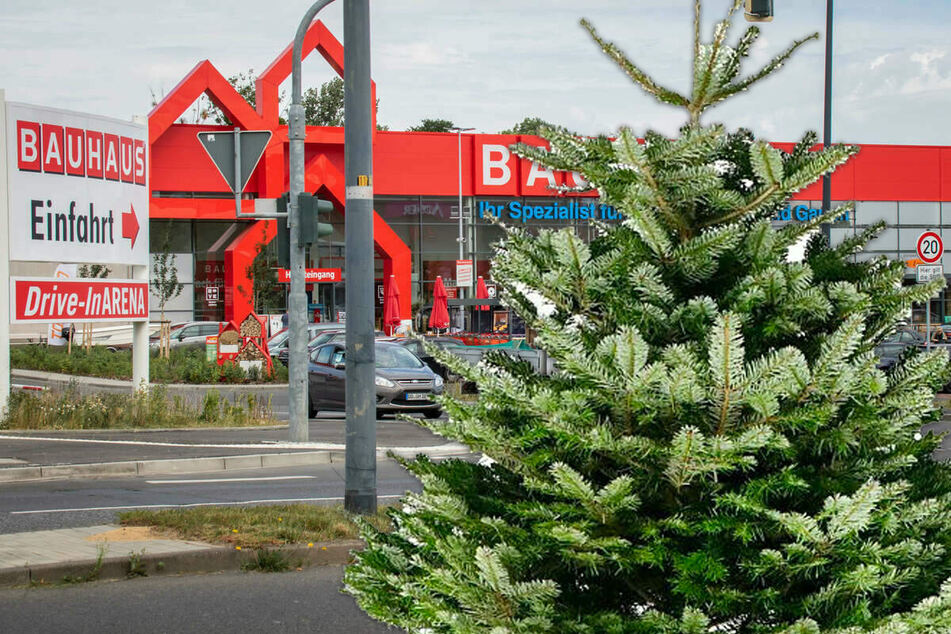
(403, 382)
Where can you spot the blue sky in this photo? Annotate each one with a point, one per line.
(487, 64)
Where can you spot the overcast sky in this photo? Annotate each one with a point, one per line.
(488, 64)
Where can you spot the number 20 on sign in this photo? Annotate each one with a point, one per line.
(930, 247)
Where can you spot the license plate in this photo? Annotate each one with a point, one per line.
(417, 396)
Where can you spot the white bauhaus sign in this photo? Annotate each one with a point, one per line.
(78, 187)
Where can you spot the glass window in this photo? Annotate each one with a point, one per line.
(215, 236)
(871, 212)
(886, 241)
(837, 236)
(918, 213)
(439, 210)
(398, 210)
(396, 357)
(486, 235)
(338, 356)
(323, 354)
(177, 232)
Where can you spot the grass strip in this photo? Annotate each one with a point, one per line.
(255, 526)
(142, 410)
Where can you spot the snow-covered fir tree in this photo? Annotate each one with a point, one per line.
(717, 451)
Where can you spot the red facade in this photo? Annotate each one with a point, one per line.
(414, 163)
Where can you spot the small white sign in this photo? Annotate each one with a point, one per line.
(464, 273)
(78, 187)
(928, 272)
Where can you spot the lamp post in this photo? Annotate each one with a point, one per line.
(462, 238)
(762, 11)
(827, 122)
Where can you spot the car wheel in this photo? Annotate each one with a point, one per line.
(311, 408)
(433, 413)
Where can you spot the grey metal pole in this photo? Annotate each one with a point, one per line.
(237, 170)
(827, 122)
(360, 476)
(461, 239)
(459, 169)
(297, 300)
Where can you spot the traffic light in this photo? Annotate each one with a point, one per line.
(310, 229)
(283, 236)
(759, 10)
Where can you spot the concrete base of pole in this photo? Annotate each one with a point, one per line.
(358, 502)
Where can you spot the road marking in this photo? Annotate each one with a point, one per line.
(185, 506)
(450, 448)
(293, 477)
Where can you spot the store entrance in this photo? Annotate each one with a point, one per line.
(328, 300)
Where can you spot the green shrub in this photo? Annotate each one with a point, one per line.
(184, 365)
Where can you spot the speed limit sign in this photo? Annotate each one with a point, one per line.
(930, 247)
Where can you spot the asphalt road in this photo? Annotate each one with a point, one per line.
(46, 505)
(27, 448)
(227, 603)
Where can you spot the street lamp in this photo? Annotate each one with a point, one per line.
(461, 239)
(762, 11)
(827, 122)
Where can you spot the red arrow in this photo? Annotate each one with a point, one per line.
(130, 225)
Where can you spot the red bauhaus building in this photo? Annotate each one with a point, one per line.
(416, 182)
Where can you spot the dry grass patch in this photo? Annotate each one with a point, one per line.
(256, 526)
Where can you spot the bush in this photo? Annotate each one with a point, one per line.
(184, 365)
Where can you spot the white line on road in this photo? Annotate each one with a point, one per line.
(451, 448)
(293, 477)
(184, 506)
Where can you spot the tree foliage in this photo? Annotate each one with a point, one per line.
(434, 125)
(718, 451)
(267, 294)
(164, 284)
(530, 125)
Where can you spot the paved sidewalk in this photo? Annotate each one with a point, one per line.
(110, 552)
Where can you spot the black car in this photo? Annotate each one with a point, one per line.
(896, 344)
(415, 345)
(403, 382)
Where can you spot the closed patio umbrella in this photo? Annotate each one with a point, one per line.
(482, 292)
(439, 317)
(391, 306)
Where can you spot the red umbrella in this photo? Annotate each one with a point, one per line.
(439, 317)
(482, 292)
(391, 305)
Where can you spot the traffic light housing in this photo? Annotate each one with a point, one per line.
(310, 207)
(759, 10)
(283, 236)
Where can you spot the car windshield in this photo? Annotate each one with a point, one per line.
(323, 337)
(279, 340)
(396, 357)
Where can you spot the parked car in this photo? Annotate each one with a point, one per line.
(403, 382)
(896, 345)
(322, 337)
(280, 340)
(188, 334)
(415, 345)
